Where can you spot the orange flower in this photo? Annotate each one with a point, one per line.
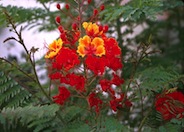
(54, 48)
(88, 46)
(92, 29)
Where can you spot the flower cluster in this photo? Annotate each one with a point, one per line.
(81, 59)
(170, 105)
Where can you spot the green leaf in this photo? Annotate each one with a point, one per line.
(155, 79)
(37, 118)
(137, 9)
(111, 124)
(162, 129)
(78, 127)
(70, 113)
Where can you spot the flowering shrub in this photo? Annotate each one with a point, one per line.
(96, 81)
(83, 60)
(170, 105)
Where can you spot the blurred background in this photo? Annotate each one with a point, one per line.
(32, 36)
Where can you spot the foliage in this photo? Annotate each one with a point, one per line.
(34, 17)
(12, 94)
(155, 79)
(35, 118)
(153, 64)
(138, 9)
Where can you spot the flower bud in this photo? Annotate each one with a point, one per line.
(58, 6)
(60, 28)
(95, 12)
(67, 6)
(105, 28)
(58, 19)
(78, 18)
(100, 28)
(63, 36)
(74, 26)
(89, 1)
(102, 7)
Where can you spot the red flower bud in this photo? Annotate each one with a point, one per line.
(102, 7)
(89, 1)
(105, 28)
(67, 6)
(74, 26)
(60, 28)
(78, 18)
(95, 12)
(100, 28)
(63, 36)
(58, 19)
(58, 6)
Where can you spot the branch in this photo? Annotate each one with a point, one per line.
(18, 68)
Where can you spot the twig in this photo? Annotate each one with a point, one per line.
(144, 119)
(18, 68)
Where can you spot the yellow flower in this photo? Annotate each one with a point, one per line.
(92, 29)
(88, 46)
(54, 48)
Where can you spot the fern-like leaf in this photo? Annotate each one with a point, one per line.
(12, 94)
(35, 118)
(157, 79)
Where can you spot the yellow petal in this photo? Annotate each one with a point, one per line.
(54, 48)
(81, 50)
(50, 55)
(86, 41)
(100, 51)
(86, 24)
(97, 42)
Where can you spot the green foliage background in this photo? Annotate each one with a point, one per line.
(23, 107)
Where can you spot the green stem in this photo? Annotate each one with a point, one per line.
(21, 41)
(31, 62)
(80, 17)
(144, 120)
(18, 68)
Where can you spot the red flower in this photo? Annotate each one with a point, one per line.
(66, 59)
(170, 105)
(128, 103)
(74, 80)
(112, 47)
(114, 63)
(116, 103)
(105, 84)
(117, 80)
(63, 95)
(111, 91)
(95, 64)
(94, 102)
(56, 75)
(113, 53)
(77, 81)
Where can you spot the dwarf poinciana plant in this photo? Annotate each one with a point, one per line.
(84, 55)
(85, 66)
